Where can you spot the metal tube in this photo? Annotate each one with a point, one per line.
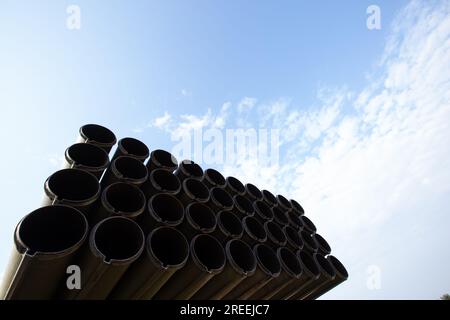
(252, 192)
(323, 246)
(125, 169)
(199, 218)
(132, 147)
(297, 207)
(268, 269)
(167, 251)
(308, 225)
(220, 200)
(206, 261)
(189, 169)
(254, 232)
(234, 186)
(283, 203)
(241, 263)
(100, 136)
(162, 210)
(262, 211)
(193, 190)
(269, 198)
(294, 220)
(294, 241)
(72, 187)
(213, 178)
(45, 242)
(275, 236)
(242, 206)
(309, 242)
(161, 181)
(279, 216)
(228, 227)
(86, 157)
(114, 243)
(161, 159)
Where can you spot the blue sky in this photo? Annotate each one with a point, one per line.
(363, 114)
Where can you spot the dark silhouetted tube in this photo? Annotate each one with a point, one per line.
(241, 263)
(161, 159)
(234, 186)
(297, 207)
(213, 178)
(283, 203)
(97, 135)
(309, 242)
(275, 236)
(294, 241)
(262, 211)
(242, 206)
(308, 225)
(114, 243)
(45, 242)
(268, 269)
(72, 187)
(269, 198)
(220, 200)
(199, 218)
(193, 190)
(121, 199)
(161, 181)
(132, 148)
(291, 271)
(327, 274)
(280, 217)
(323, 246)
(294, 220)
(229, 226)
(254, 232)
(341, 276)
(86, 157)
(162, 210)
(207, 259)
(252, 192)
(167, 250)
(125, 169)
(189, 169)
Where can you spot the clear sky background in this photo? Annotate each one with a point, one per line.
(363, 114)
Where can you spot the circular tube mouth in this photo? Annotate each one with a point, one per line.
(87, 157)
(52, 230)
(269, 198)
(117, 239)
(163, 160)
(341, 271)
(133, 148)
(325, 266)
(96, 134)
(308, 225)
(254, 229)
(289, 262)
(214, 178)
(283, 202)
(235, 185)
(309, 242)
(196, 190)
(229, 224)
(168, 247)
(241, 257)
(253, 192)
(166, 209)
(72, 187)
(263, 210)
(129, 169)
(275, 233)
(191, 169)
(243, 205)
(323, 245)
(279, 216)
(123, 199)
(309, 264)
(293, 237)
(294, 220)
(221, 198)
(297, 207)
(201, 217)
(207, 253)
(267, 260)
(165, 181)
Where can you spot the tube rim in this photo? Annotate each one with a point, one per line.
(326, 268)
(196, 259)
(124, 178)
(253, 192)
(260, 263)
(306, 269)
(207, 177)
(124, 151)
(187, 173)
(110, 208)
(194, 224)
(87, 139)
(296, 206)
(73, 163)
(290, 240)
(232, 182)
(340, 269)
(152, 255)
(190, 194)
(285, 266)
(240, 208)
(226, 231)
(158, 187)
(158, 164)
(159, 219)
(269, 198)
(251, 234)
(271, 236)
(233, 262)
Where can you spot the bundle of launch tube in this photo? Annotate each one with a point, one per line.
(142, 225)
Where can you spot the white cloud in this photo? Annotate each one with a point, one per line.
(162, 122)
(56, 160)
(246, 104)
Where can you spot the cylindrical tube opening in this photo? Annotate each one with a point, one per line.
(161, 159)
(309, 242)
(275, 233)
(166, 209)
(253, 192)
(72, 187)
(52, 230)
(243, 205)
(254, 229)
(297, 207)
(165, 181)
(201, 217)
(289, 262)
(229, 224)
(133, 148)
(241, 257)
(208, 253)
(123, 199)
(190, 169)
(129, 169)
(325, 266)
(293, 238)
(309, 264)
(168, 247)
(87, 157)
(98, 135)
(221, 199)
(269, 198)
(196, 190)
(263, 210)
(324, 247)
(294, 220)
(234, 186)
(280, 216)
(267, 260)
(284, 203)
(308, 225)
(213, 178)
(338, 266)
